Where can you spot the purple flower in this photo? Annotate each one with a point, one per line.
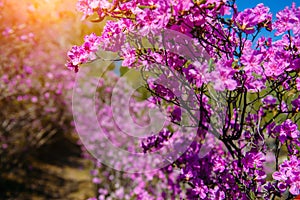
(161, 90)
(295, 188)
(269, 101)
(281, 186)
(155, 142)
(113, 36)
(287, 19)
(199, 190)
(249, 18)
(129, 55)
(275, 67)
(81, 54)
(296, 104)
(216, 193)
(255, 85)
(222, 77)
(295, 65)
(298, 83)
(176, 114)
(287, 129)
(219, 164)
(91, 43)
(260, 175)
(77, 55)
(187, 173)
(84, 7)
(252, 60)
(253, 160)
(96, 180)
(181, 5)
(28, 69)
(289, 176)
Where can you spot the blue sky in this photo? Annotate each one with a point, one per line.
(275, 5)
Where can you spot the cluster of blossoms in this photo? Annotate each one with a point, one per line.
(156, 141)
(212, 63)
(112, 184)
(288, 175)
(288, 131)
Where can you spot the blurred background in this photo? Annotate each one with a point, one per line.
(40, 154)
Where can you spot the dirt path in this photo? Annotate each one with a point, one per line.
(57, 171)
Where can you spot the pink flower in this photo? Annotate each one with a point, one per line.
(251, 59)
(222, 77)
(295, 188)
(34, 99)
(181, 5)
(77, 55)
(288, 176)
(96, 180)
(287, 19)
(275, 67)
(91, 43)
(298, 83)
(113, 36)
(129, 55)
(249, 18)
(84, 7)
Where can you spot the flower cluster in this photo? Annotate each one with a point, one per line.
(122, 185)
(209, 66)
(288, 20)
(252, 17)
(156, 141)
(288, 176)
(288, 131)
(81, 54)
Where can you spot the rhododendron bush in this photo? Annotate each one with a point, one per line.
(231, 74)
(35, 89)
